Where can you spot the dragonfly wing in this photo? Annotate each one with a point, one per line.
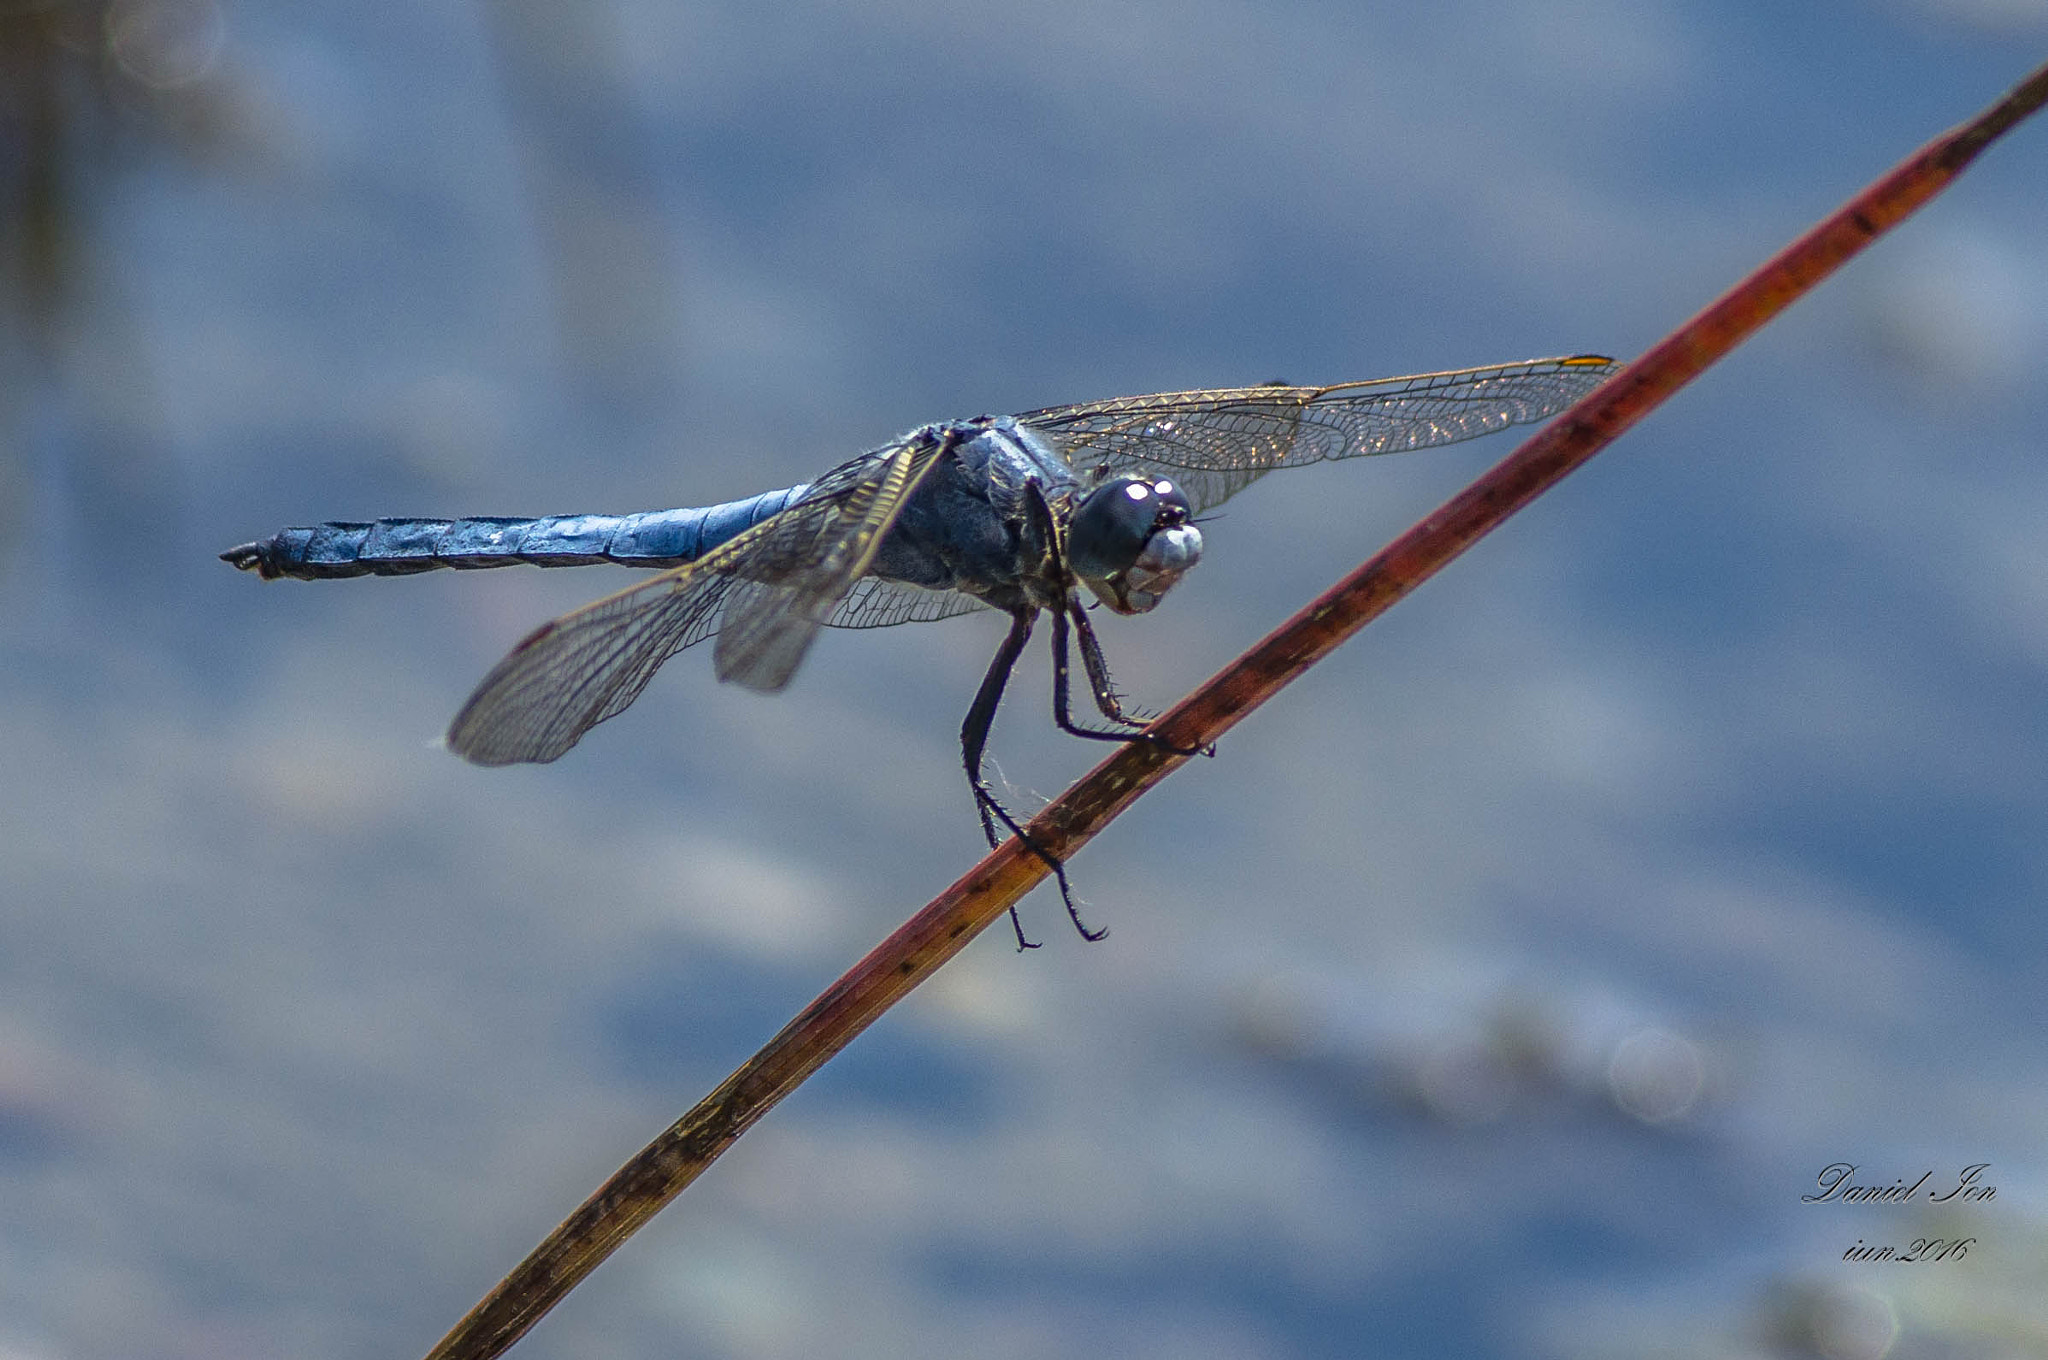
(791, 583)
(876, 603)
(764, 593)
(573, 673)
(1214, 443)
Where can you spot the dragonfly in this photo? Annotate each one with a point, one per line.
(1020, 513)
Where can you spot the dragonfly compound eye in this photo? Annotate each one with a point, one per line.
(1129, 540)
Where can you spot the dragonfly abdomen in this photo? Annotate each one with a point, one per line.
(399, 547)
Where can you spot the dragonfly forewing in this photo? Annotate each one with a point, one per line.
(809, 558)
(1216, 442)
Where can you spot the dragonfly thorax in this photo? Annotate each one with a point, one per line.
(1129, 541)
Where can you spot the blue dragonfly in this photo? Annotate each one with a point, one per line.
(1020, 513)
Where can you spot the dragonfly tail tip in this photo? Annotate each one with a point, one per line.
(254, 557)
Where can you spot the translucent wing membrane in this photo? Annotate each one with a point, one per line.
(875, 603)
(790, 582)
(764, 593)
(572, 674)
(1215, 443)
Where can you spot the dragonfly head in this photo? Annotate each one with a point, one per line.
(1129, 540)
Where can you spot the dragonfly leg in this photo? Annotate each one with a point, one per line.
(974, 742)
(1106, 697)
(982, 715)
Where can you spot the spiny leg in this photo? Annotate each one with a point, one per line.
(1106, 698)
(974, 741)
(1098, 680)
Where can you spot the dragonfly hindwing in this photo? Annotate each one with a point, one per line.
(764, 592)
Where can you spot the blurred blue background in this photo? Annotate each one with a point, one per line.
(1498, 991)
